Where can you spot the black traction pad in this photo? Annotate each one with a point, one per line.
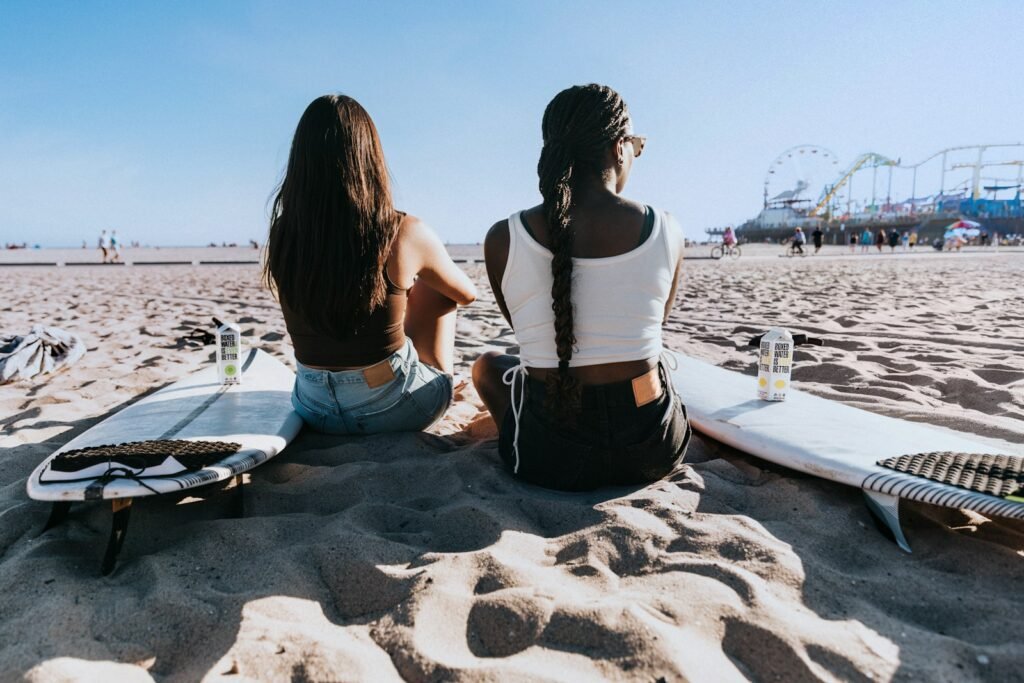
(137, 455)
(996, 475)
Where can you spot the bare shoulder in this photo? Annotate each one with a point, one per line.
(414, 248)
(631, 205)
(496, 245)
(535, 212)
(497, 235)
(414, 229)
(496, 248)
(418, 240)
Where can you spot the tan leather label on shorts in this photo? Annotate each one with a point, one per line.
(646, 388)
(378, 375)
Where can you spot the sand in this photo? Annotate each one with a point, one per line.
(417, 557)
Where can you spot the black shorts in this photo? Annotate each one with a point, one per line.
(613, 442)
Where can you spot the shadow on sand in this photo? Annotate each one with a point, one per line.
(357, 525)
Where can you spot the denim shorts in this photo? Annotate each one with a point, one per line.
(612, 443)
(343, 403)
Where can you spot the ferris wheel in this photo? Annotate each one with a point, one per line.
(800, 174)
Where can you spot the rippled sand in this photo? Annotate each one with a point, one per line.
(417, 557)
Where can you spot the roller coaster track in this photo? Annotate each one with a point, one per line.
(863, 160)
(872, 159)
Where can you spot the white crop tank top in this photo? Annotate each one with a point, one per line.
(619, 301)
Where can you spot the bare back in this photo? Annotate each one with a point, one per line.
(602, 230)
(417, 255)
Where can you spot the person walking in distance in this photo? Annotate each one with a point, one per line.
(115, 247)
(104, 245)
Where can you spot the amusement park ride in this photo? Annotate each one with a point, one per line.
(806, 186)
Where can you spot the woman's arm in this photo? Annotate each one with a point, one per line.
(433, 265)
(496, 257)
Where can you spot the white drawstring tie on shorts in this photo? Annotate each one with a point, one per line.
(515, 378)
(508, 378)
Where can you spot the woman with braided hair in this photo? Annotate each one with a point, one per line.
(586, 280)
(368, 293)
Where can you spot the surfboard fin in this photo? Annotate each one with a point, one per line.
(58, 513)
(238, 503)
(122, 508)
(886, 509)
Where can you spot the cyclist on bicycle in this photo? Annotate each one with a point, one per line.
(798, 240)
(728, 237)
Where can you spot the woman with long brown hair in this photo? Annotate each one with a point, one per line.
(586, 280)
(369, 294)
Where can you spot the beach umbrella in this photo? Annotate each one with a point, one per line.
(961, 232)
(962, 228)
(964, 224)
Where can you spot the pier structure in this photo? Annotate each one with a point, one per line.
(806, 186)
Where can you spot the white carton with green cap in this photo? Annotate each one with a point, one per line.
(229, 351)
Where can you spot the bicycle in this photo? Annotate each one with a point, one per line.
(722, 250)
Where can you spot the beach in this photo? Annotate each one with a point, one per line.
(418, 557)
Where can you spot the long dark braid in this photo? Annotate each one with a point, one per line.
(579, 124)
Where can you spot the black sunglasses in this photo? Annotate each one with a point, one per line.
(638, 142)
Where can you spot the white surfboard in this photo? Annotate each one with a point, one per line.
(831, 440)
(255, 416)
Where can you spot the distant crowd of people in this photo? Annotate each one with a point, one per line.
(908, 239)
(881, 238)
(110, 246)
(252, 243)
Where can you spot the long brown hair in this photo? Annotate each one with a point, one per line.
(579, 124)
(333, 220)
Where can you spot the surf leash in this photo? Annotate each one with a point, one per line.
(95, 490)
(204, 337)
(798, 340)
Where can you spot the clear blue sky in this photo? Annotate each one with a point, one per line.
(171, 122)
